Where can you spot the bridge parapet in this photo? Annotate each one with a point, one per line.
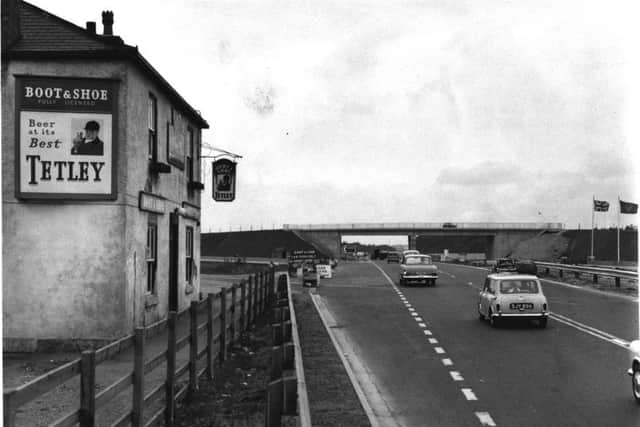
(552, 226)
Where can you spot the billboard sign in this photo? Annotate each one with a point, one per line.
(65, 138)
(224, 180)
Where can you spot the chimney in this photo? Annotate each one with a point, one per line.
(91, 27)
(10, 23)
(107, 22)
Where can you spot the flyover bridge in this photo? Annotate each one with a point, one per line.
(495, 239)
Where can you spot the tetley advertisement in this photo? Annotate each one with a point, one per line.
(66, 138)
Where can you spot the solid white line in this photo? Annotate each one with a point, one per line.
(456, 376)
(485, 419)
(468, 393)
(422, 325)
(589, 330)
(447, 362)
(427, 332)
(433, 341)
(439, 350)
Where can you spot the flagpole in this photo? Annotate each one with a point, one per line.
(593, 212)
(618, 229)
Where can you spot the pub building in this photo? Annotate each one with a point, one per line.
(100, 185)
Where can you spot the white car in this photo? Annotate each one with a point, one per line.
(634, 371)
(410, 252)
(511, 296)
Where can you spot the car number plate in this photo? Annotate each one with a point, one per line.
(521, 306)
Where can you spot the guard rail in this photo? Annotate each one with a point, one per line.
(577, 270)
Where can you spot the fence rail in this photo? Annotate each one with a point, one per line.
(242, 312)
(595, 272)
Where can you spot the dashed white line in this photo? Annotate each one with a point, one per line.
(485, 419)
(414, 314)
(447, 362)
(422, 325)
(427, 332)
(456, 376)
(412, 309)
(439, 350)
(433, 341)
(418, 319)
(468, 393)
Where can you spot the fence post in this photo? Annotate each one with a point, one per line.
(249, 301)
(210, 357)
(261, 292)
(137, 416)
(193, 346)
(223, 325)
(243, 295)
(275, 397)
(595, 278)
(232, 325)
(170, 407)
(255, 298)
(560, 273)
(617, 281)
(88, 388)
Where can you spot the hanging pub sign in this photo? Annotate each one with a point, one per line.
(224, 180)
(65, 138)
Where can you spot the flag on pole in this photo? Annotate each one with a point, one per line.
(600, 206)
(628, 207)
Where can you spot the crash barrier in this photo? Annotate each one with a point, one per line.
(233, 316)
(287, 389)
(595, 272)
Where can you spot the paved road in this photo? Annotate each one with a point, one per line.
(436, 364)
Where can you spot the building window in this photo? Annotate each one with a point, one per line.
(189, 263)
(190, 158)
(153, 127)
(151, 257)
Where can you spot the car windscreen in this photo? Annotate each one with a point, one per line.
(518, 287)
(414, 260)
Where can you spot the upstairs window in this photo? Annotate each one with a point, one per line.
(153, 127)
(190, 155)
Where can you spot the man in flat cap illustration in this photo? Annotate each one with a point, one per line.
(88, 144)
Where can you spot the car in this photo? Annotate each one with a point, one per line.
(526, 267)
(634, 371)
(310, 275)
(418, 269)
(393, 256)
(512, 296)
(410, 252)
(505, 264)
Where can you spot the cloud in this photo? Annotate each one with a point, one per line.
(261, 99)
(485, 173)
(225, 53)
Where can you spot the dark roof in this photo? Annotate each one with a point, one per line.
(44, 36)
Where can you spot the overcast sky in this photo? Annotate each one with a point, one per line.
(400, 111)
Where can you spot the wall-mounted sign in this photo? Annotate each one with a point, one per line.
(191, 211)
(224, 180)
(324, 270)
(151, 203)
(65, 138)
(303, 255)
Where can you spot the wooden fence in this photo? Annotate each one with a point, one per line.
(234, 316)
(287, 390)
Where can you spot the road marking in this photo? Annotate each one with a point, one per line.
(456, 376)
(468, 393)
(412, 309)
(447, 362)
(418, 319)
(589, 330)
(422, 325)
(485, 419)
(439, 350)
(427, 332)
(414, 314)
(433, 341)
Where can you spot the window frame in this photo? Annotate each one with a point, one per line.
(188, 254)
(152, 125)
(151, 258)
